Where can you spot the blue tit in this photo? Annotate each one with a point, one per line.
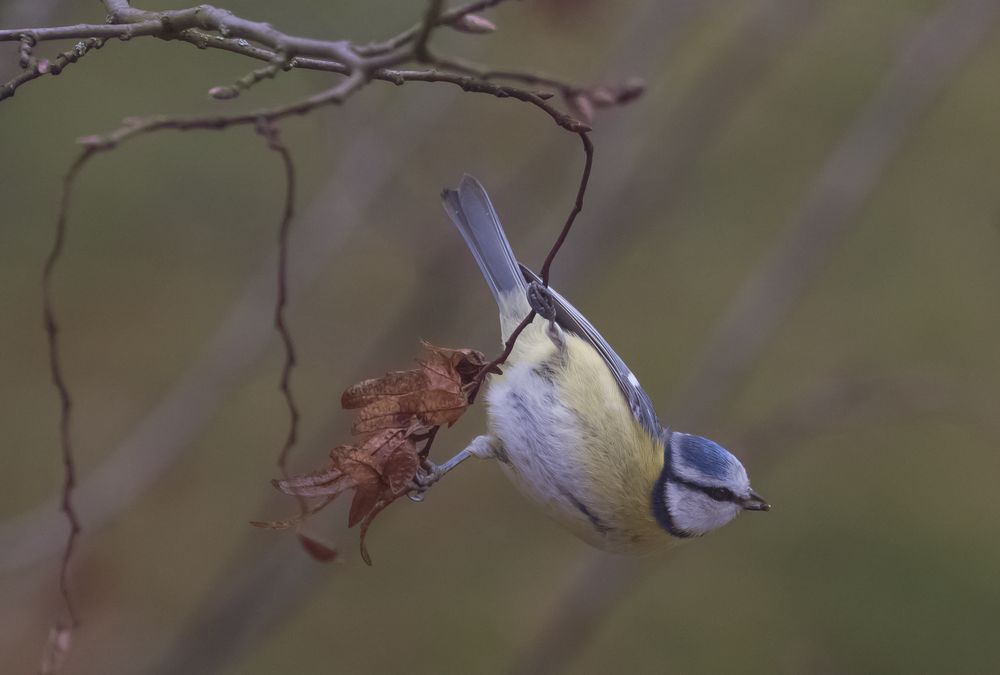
(571, 425)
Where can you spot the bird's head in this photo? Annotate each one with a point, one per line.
(702, 487)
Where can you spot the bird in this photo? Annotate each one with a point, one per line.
(571, 425)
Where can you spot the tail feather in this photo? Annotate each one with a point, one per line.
(470, 209)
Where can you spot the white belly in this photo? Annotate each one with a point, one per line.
(541, 447)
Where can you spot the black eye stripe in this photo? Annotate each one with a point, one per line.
(719, 494)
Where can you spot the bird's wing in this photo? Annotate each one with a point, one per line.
(570, 319)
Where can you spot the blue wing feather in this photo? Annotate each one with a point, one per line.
(569, 318)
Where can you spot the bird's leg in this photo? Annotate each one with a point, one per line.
(483, 447)
(541, 301)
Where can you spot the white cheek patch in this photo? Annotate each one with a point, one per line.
(695, 512)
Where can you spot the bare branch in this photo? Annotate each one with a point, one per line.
(137, 126)
(35, 67)
(228, 25)
(210, 27)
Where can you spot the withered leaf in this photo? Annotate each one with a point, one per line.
(440, 373)
(378, 447)
(332, 488)
(367, 489)
(364, 531)
(318, 550)
(395, 413)
(294, 521)
(401, 467)
(465, 363)
(331, 481)
(431, 408)
(391, 384)
(320, 477)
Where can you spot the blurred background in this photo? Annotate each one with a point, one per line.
(792, 238)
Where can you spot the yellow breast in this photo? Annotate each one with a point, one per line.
(572, 443)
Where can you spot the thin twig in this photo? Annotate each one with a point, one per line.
(420, 49)
(227, 24)
(409, 35)
(494, 365)
(61, 634)
(274, 143)
(138, 126)
(588, 149)
(35, 67)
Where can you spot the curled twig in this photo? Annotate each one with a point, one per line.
(274, 142)
(494, 365)
(61, 633)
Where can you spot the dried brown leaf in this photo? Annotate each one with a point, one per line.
(381, 445)
(401, 467)
(442, 407)
(317, 549)
(440, 373)
(366, 492)
(286, 524)
(466, 362)
(431, 408)
(364, 531)
(320, 477)
(395, 414)
(334, 486)
(391, 384)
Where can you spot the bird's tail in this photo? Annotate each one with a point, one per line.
(470, 209)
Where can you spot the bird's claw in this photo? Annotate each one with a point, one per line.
(426, 476)
(541, 301)
(544, 306)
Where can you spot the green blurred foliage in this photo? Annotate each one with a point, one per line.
(882, 552)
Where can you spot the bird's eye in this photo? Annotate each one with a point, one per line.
(720, 494)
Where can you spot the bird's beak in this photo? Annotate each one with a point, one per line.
(755, 503)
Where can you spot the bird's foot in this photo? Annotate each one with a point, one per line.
(541, 301)
(430, 473)
(427, 475)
